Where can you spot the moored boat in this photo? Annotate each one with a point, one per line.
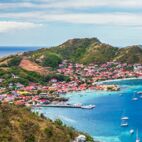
(124, 124)
(134, 97)
(140, 92)
(131, 131)
(88, 107)
(124, 118)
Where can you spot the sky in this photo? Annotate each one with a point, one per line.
(46, 23)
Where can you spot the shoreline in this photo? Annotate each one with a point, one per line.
(122, 79)
(100, 82)
(103, 138)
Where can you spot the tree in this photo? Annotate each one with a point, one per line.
(15, 61)
(52, 60)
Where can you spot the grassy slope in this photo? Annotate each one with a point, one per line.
(20, 125)
(99, 53)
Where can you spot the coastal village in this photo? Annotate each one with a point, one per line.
(82, 77)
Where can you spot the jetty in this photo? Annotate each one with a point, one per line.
(66, 106)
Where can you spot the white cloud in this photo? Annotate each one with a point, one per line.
(112, 19)
(16, 5)
(65, 4)
(53, 15)
(97, 3)
(6, 26)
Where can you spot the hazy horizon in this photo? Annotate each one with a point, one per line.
(56, 44)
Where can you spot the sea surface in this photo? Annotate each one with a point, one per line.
(103, 122)
(5, 50)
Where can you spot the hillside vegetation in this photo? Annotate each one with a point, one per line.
(18, 124)
(86, 50)
(132, 54)
(91, 50)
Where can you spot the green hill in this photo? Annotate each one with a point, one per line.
(85, 50)
(92, 50)
(132, 54)
(99, 53)
(75, 49)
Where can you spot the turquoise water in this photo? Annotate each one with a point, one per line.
(103, 122)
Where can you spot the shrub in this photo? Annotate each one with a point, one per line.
(49, 131)
(15, 61)
(52, 60)
(58, 122)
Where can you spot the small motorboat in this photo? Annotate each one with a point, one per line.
(131, 131)
(134, 99)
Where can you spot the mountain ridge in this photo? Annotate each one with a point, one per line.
(80, 50)
(88, 50)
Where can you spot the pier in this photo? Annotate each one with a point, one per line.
(66, 106)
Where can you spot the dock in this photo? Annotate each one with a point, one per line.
(66, 106)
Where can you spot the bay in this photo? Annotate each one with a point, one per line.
(103, 122)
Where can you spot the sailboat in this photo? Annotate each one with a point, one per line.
(137, 137)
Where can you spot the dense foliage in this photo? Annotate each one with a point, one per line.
(18, 124)
(132, 54)
(15, 61)
(74, 49)
(51, 60)
(25, 77)
(92, 50)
